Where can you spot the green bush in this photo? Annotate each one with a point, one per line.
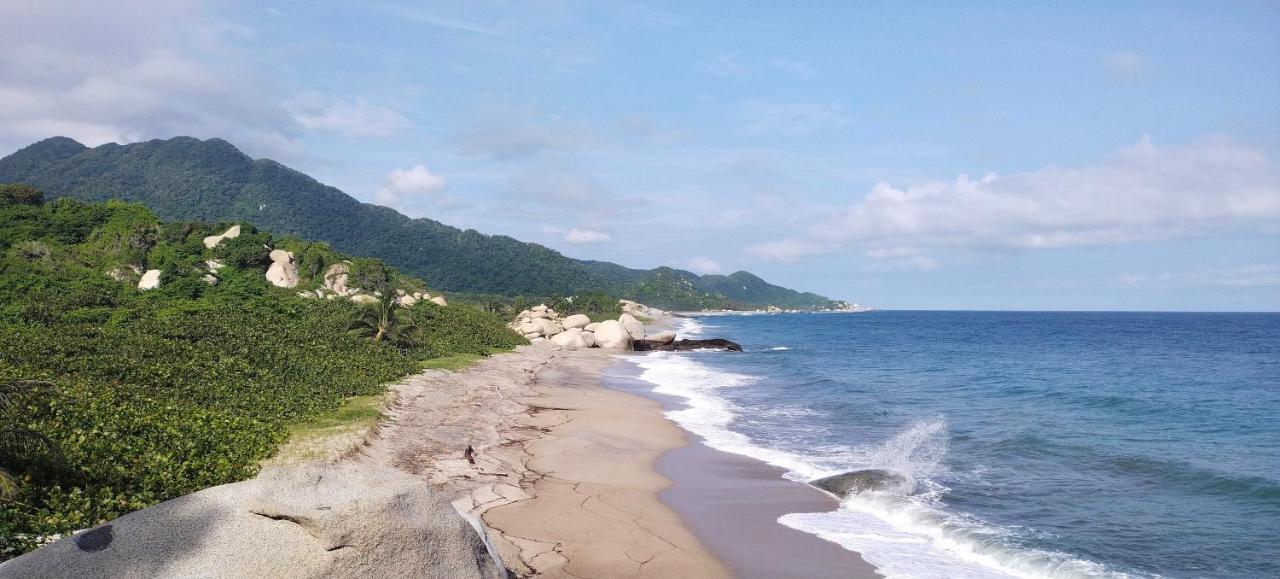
(21, 194)
(160, 393)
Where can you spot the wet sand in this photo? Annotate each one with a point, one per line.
(732, 503)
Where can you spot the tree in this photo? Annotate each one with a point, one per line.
(19, 194)
(384, 320)
(20, 447)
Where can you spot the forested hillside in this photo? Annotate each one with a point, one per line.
(186, 178)
(113, 398)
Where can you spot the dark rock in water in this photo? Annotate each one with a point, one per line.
(685, 345)
(860, 481)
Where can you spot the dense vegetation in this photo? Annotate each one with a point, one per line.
(185, 178)
(148, 395)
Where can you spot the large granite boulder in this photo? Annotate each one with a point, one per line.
(575, 321)
(548, 327)
(530, 328)
(663, 337)
(213, 240)
(439, 301)
(610, 334)
(283, 271)
(150, 280)
(335, 278)
(343, 520)
(633, 326)
(861, 481)
(570, 340)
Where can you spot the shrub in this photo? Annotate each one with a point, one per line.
(19, 194)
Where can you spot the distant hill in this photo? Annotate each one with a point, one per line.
(185, 178)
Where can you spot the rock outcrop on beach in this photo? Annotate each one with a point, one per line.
(341, 520)
(860, 481)
(685, 345)
(627, 333)
(612, 335)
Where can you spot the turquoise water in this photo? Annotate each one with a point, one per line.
(1037, 444)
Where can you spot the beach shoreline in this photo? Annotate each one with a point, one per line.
(732, 502)
(563, 476)
(577, 475)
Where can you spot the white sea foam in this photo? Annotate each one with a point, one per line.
(779, 348)
(904, 535)
(690, 328)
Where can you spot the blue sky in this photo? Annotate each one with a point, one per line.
(1082, 155)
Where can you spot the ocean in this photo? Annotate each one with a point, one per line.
(1034, 444)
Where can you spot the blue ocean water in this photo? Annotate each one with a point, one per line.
(1037, 444)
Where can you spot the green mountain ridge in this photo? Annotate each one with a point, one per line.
(184, 178)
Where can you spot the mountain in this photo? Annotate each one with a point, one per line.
(186, 178)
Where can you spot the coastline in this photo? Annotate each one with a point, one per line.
(733, 502)
(577, 474)
(563, 478)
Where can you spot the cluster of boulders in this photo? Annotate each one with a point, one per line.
(337, 285)
(541, 323)
(283, 272)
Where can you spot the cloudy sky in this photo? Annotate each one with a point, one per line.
(1081, 155)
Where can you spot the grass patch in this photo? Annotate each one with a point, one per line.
(356, 411)
(454, 362)
(330, 434)
(645, 319)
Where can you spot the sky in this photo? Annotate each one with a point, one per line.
(903, 155)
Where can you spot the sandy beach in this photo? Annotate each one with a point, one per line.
(563, 477)
(574, 479)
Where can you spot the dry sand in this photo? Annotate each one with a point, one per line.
(563, 474)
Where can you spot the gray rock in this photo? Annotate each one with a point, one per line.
(213, 240)
(860, 481)
(633, 326)
(611, 335)
(284, 270)
(663, 337)
(345, 520)
(576, 321)
(150, 280)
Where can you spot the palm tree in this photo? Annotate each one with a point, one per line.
(19, 446)
(384, 320)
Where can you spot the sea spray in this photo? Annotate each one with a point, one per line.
(905, 532)
(915, 453)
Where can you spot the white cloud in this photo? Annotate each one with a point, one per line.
(899, 259)
(586, 236)
(703, 265)
(505, 137)
(1142, 192)
(158, 69)
(352, 118)
(795, 68)
(1260, 275)
(725, 65)
(758, 116)
(414, 190)
(1126, 66)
